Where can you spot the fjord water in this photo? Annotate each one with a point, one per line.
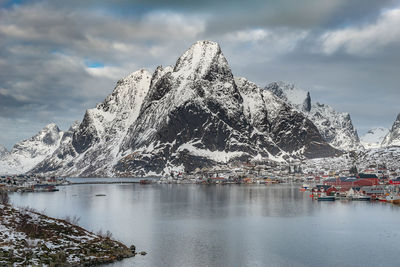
(229, 225)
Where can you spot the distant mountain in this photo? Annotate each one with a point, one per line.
(92, 147)
(191, 115)
(374, 137)
(393, 137)
(335, 127)
(388, 157)
(26, 154)
(3, 151)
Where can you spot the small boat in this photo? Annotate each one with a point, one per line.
(304, 187)
(326, 198)
(395, 199)
(360, 198)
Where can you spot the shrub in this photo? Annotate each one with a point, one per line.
(72, 220)
(107, 234)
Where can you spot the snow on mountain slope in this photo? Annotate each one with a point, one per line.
(26, 154)
(91, 148)
(374, 137)
(199, 107)
(335, 127)
(192, 115)
(289, 129)
(363, 159)
(393, 137)
(291, 94)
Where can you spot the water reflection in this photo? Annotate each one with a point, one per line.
(246, 225)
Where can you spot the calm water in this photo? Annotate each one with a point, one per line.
(256, 225)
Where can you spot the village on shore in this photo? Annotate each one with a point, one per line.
(375, 182)
(29, 237)
(30, 183)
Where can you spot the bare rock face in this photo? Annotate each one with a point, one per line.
(336, 128)
(193, 114)
(91, 148)
(393, 137)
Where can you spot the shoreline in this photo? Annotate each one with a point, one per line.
(28, 237)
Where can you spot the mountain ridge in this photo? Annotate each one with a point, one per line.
(27, 153)
(393, 136)
(335, 127)
(191, 115)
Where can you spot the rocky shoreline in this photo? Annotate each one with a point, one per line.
(30, 238)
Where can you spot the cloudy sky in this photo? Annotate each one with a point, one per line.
(58, 58)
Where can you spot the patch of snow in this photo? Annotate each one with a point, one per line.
(374, 137)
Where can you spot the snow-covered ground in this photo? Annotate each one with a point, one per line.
(362, 159)
(28, 238)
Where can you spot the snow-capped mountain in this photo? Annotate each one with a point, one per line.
(26, 154)
(374, 137)
(335, 127)
(388, 157)
(393, 137)
(194, 114)
(92, 147)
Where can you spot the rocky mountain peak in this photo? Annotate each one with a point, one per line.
(126, 92)
(335, 127)
(307, 103)
(202, 73)
(27, 153)
(288, 92)
(393, 137)
(190, 116)
(49, 135)
(397, 122)
(204, 60)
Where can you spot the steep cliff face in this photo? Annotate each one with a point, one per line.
(288, 128)
(336, 128)
(200, 115)
(188, 116)
(27, 153)
(91, 148)
(393, 137)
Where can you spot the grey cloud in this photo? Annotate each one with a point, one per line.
(44, 46)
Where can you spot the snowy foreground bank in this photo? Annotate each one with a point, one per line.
(30, 238)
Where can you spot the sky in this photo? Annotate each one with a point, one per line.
(59, 58)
